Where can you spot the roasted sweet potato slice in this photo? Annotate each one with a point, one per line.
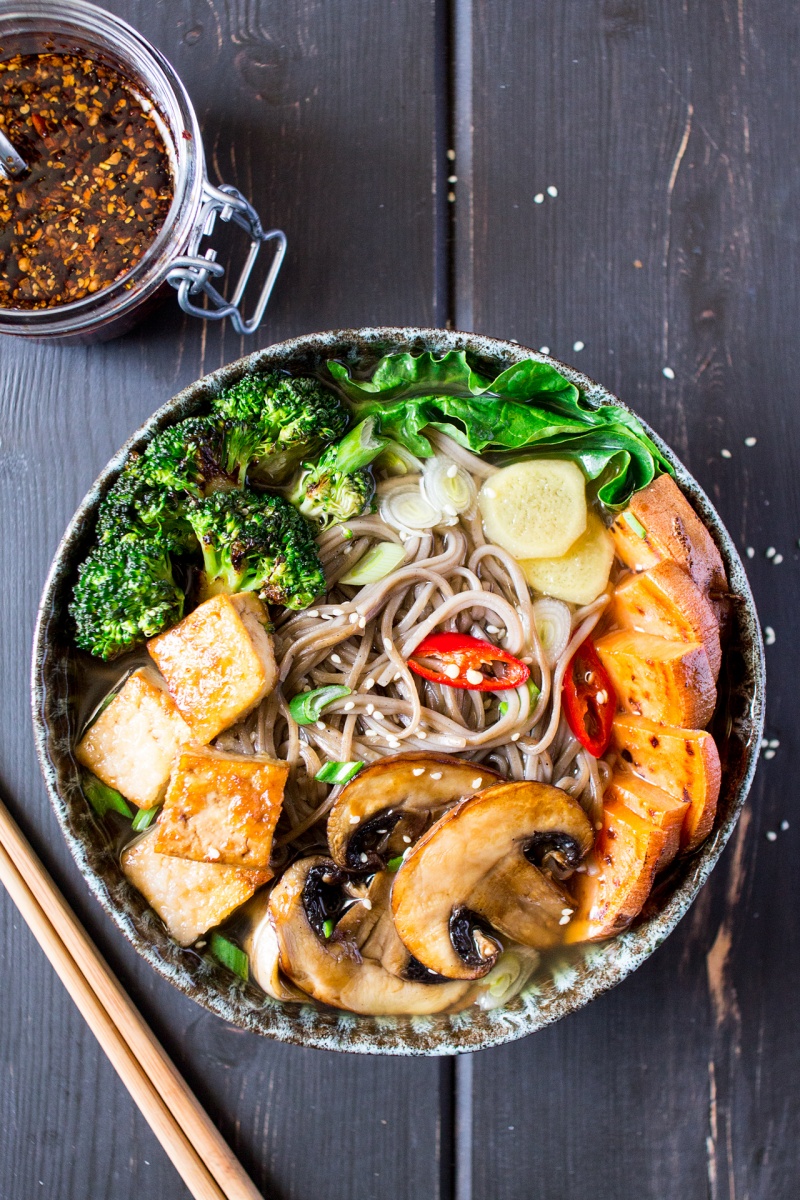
(627, 853)
(684, 762)
(669, 682)
(659, 523)
(653, 804)
(667, 602)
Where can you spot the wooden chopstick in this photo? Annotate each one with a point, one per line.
(184, 1129)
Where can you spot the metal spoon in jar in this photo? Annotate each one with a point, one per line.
(11, 163)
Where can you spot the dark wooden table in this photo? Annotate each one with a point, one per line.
(666, 266)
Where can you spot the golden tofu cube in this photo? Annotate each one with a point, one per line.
(190, 897)
(222, 807)
(218, 663)
(134, 742)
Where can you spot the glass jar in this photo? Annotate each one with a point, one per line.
(174, 257)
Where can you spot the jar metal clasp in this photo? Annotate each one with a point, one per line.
(192, 273)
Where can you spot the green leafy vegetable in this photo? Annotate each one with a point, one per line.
(328, 927)
(144, 818)
(338, 772)
(230, 956)
(529, 406)
(104, 799)
(306, 707)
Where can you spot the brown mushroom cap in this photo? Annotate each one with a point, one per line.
(394, 798)
(338, 970)
(478, 868)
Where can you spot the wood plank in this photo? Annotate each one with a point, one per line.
(326, 116)
(667, 131)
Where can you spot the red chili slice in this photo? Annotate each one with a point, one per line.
(590, 701)
(468, 655)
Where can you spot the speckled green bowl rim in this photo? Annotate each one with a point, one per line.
(571, 983)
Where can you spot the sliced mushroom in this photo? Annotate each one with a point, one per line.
(390, 803)
(483, 866)
(336, 969)
(260, 943)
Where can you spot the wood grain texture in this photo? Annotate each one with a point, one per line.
(667, 131)
(325, 116)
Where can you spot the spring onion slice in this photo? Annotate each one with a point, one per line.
(535, 693)
(378, 562)
(448, 486)
(633, 523)
(396, 460)
(104, 799)
(553, 621)
(507, 977)
(328, 927)
(338, 772)
(306, 707)
(407, 508)
(394, 864)
(230, 956)
(144, 818)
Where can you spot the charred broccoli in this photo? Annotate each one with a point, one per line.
(125, 593)
(339, 486)
(257, 543)
(189, 457)
(135, 510)
(273, 421)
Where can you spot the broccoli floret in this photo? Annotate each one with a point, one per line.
(257, 543)
(339, 486)
(134, 510)
(274, 421)
(125, 593)
(189, 457)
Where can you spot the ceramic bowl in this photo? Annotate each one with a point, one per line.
(570, 983)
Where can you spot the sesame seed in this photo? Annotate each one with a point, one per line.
(436, 774)
(778, 559)
(567, 912)
(773, 744)
(492, 628)
(552, 191)
(362, 622)
(312, 612)
(372, 733)
(363, 857)
(452, 179)
(726, 454)
(418, 771)
(769, 754)
(319, 724)
(370, 709)
(769, 635)
(367, 903)
(750, 441)
(544, 349)
(772, 835)
(336, 658)
(515, 737)
(668, 373)
(563, 920)
(406, 839)
(451, 154)
(327, 617)
(349, 706)
(354, 819)
(213, 852)
(764, 743)
(474, 676)
(770, 552)
(353, 618)
(578, 346)
(369, 684)
(422, 735)
(602, 697)
(379, 716)
(452, 471)
(750, 552)
(338, 612)
(538, 198)
(784, 826)
(477, 781)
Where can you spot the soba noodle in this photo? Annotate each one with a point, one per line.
(451, 579)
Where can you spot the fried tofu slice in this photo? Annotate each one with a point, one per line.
(669, 682)
(653, 804)
(684, 762)
(665, 601)
(659, 523)
(627, 853)
(222, 807)
(218, 663)
(133, 743)
(190, 897)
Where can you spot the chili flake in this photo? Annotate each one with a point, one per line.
(98, 187)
